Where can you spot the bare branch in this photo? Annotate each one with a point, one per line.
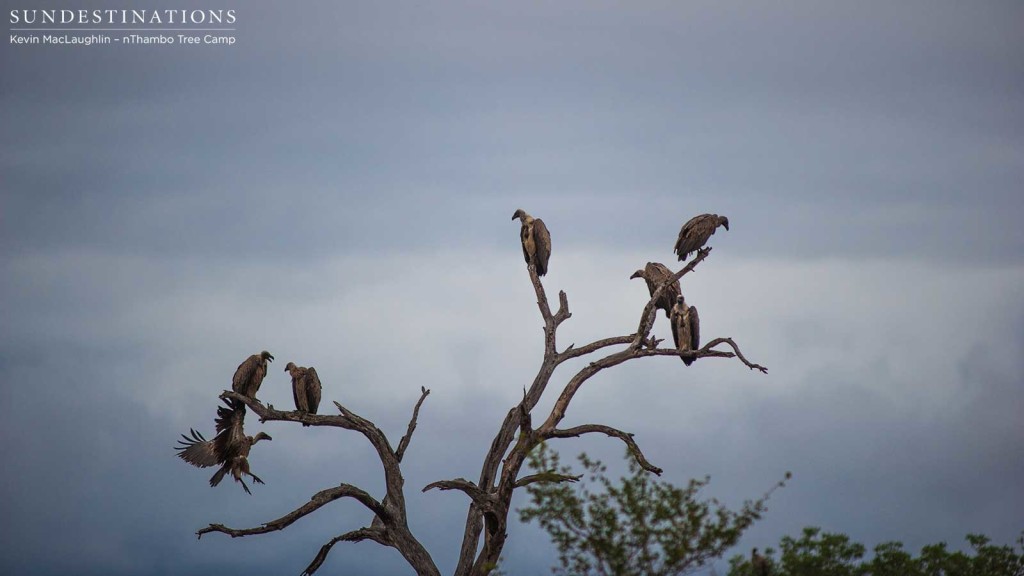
(736, 348)
(572, 352)
(479, 497)
(626, 437)
(353, 536)
(318, 500)
(404, 442)
(550, 477)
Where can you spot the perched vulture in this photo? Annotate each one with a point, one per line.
(305, 388)
(536, 241)
(685, 328)
(758, 564)
(695, 233)
(654, 274)
(249, 376)
(229, 448)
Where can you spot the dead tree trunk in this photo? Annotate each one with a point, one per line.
(491, 496)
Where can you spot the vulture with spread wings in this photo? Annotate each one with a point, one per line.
(536, 241)
(229, 448)
(696, 232)
(305, 388)
(655, 273)
(685, 327)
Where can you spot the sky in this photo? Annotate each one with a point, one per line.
(337, 187)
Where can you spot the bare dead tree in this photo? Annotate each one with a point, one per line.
(491, 496)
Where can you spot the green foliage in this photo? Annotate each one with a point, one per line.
(819, 553)
(638, 526)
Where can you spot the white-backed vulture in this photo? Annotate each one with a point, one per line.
(685, 327)
(250, 374)
(654, 274)
(536, 241)
(695, 233)
(229, 448)
(758, 564)
(305, 388)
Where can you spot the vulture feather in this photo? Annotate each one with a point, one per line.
(696, 232)
(229, 448)
(685, 328)
(536, 241)
(250, 374)
(655, 274)
(305, 388)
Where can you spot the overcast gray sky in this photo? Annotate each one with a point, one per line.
(337, 188)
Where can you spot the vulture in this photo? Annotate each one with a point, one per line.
(249, 376)
(654, 274)
(695, 233)
(229, 448)
(305, 388)
(685, 328)
(536, 241)
(758, 564)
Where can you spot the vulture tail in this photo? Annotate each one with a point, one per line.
(218, 476)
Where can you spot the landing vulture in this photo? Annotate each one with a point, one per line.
(654, 274)
(536, 241)
(685, 328)
(695, 233)
(249, 376)
(758, 564)
(305, 388)
(229, 448)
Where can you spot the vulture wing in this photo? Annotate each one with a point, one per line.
(299, 392)
(675, 319)
(313, 389)
(694, 329)
(245, 372)
(656, 274)
(197, 451)
(694, 234)
(542, 239)
(230, 430)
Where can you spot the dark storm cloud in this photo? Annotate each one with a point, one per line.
(340, 184)
(428, 107)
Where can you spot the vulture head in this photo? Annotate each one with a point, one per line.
(267, 356)
(289, 367)
(638, 274)
(521, 214)
(260, 436)
(723, 221)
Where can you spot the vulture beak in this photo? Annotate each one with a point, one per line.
(270, 357)
(726, 223)
(637, 274)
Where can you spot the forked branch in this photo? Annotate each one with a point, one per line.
(389, 526)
